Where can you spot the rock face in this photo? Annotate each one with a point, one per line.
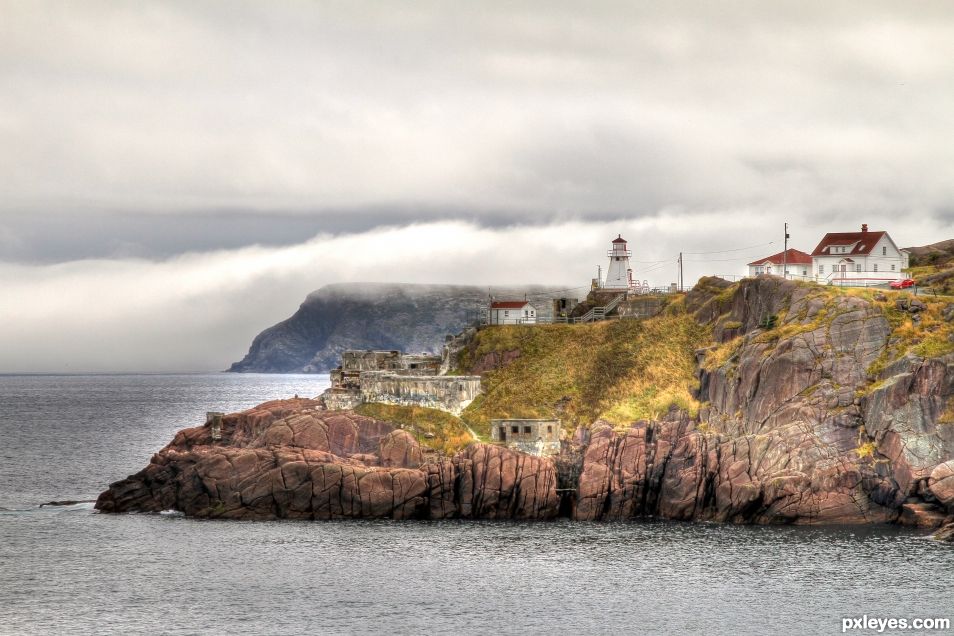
(671, 469)
(291, 459)
(338, 317)
(792, 429)
(797, 399)
(797, 424)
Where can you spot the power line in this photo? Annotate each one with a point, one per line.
(711, 260)
(738, 249)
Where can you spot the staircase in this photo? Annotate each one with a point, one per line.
(599, 313)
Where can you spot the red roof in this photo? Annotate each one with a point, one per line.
(619, 239)
(866, 242)
(795, 257)
(508, 304)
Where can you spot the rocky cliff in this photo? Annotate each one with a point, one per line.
(805, 405)
(411, 318)
(290, 459)
(816, 406)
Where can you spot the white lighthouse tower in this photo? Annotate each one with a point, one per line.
(619, 275)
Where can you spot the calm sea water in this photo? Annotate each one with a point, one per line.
(72, 571)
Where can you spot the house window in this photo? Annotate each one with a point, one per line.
(821, 269)
(526, 429)
(549, 428)
(804, 272)
(506, 313)
(858, 267)
(531, 312)
(892, 267)
(514, 429)
(884, 250)
(875, 267)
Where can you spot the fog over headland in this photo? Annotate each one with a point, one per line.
(175, 177)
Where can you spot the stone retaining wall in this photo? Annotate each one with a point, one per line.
(451, 393)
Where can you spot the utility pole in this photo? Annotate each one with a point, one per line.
(785, 255)
(680, 271)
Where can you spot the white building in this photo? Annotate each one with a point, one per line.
(798, 265)
(512, 312)
(858, 258)
(619, 275)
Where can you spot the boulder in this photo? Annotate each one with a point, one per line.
(945, 534)
(941, 483)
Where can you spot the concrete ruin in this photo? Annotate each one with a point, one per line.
(451, 393)
(642, 306)
(213, 419)
(353, 362)
(392, 377)
(536, 437)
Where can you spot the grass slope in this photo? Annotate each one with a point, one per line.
(620, 370)
(432, 428)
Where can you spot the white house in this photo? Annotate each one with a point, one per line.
(858, 258)
(797, 264)
(512, 312)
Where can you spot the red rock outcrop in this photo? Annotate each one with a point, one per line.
(289, 459)
(795, 405)
(673, 470)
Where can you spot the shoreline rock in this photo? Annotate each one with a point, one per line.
(292, 459)
(288, 459)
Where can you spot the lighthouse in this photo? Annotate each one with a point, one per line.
(619, 276)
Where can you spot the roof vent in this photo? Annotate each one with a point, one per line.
(864, 227)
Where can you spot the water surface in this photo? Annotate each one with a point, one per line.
(72, 571)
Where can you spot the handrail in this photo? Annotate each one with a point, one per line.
(600, 312)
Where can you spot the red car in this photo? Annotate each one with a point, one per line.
(902, 284)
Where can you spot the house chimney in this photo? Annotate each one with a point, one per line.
(864, 227)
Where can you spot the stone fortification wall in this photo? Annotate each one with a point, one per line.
(341, 399)
(356, 361)
(641, 307)
(359, 360)
(445, 392)
(533, 436)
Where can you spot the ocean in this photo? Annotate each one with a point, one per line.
(69, 570)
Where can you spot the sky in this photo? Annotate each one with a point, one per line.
(177, 176)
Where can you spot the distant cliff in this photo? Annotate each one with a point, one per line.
(337, 317)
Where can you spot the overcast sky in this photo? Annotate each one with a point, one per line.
(174, 177)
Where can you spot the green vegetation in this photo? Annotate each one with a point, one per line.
(432, 428)
(720, 355)
(866, 450)
(628, 370)
(620, 370)
(947, 416)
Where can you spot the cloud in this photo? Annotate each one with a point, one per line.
(176, 176)
(200, 311)
(528, 112)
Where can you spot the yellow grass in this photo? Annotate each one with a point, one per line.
(621, 370)
(432, 428)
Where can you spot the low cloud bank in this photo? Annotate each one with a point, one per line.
(199, 311)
